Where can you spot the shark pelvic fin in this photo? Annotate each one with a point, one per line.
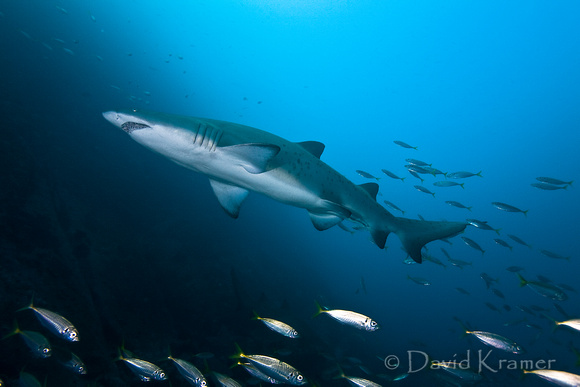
(254, 158)
(230, 196)
(333, 216)
(314, 147)
(371, 188)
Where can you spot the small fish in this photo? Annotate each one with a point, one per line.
(278, 326)
(473, 244)
(99, 58)
(457, 369)
(507, 308)
(359, 382)
(498, 293)
(551, 254)
(424, 190)
(514, 322)
(145, 370)
(55, 323)
(418, 162)
(76, 365)
(394, 207)
(68, 51)
(348, 317)
(560, 378)
(544, 289)
(419, 281)
(463, 291)
(189, 372)
(491, 306)
(482, 225)
(458, 205)
(525, 309)
(367, 175)
(225, 381)
(417, 169)
(47, 46)
(35, 341)
(548, 187)
(515, 269)
(414, 174)
(25, 34)
(562, 311)
(435, 171)
(488, 280)
(508, 208)
(518, 240)
(435, 260)
(256, 373)
(445, 253)
(446, 183)
(392, 175)
(551, 180)
(274, 368)
(497, 341)
(58, 40)
(462, 175)
(572, 323)
(405, 145)
(503, 243)
(61, 9)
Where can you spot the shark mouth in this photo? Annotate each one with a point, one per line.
(130, 127)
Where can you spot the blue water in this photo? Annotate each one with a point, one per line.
(133, 248)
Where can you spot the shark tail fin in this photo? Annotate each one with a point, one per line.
(414, 234)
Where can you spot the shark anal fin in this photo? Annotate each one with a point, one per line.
(254, 158)
(326, 219)
(229, 196)
(371, 188)
(314, 147)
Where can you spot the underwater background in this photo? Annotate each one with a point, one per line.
(136, 251)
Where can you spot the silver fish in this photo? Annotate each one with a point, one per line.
(481, 224)
(145, 370)
(457, 369)
(551, 180)
(405, 145)
(458, 205)
(419, 281)
(225, 381)
(545, 289)
(423, 189)
(367, 175)
(414, 174)
(497, 341)
(394, 207)
(76, 365)
(488, 279)
(435, 171)
(462, 175)
(359, 382)
(518, 240)
(503, 243)
(348, 317)
(278, 326)
(55, 323)
(551, 254)
(274, 368)
(252, 370)
(548, 187)
(189, 372)
(508, 208)
(459, 263)
(417, 169)
(446, 183)
(418, 162)
(560, 378)
(392, 175)
(35, 341)
(473, 244)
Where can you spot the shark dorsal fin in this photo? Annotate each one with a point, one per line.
(230, 196)
(314, 147)
(371, 188)
(254, 158)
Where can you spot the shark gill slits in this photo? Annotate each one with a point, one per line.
(130, 127)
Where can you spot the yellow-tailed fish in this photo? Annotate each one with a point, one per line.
(55, 323)
(273, 368)
(348, 317)
(278, 326)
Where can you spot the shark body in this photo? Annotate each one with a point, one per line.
(238, 159)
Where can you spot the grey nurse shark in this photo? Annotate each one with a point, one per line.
(238, 159)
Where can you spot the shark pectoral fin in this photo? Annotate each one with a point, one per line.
(314, 147)
(371, 188)
(230, 196)
(254, 158)
(333, 216)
